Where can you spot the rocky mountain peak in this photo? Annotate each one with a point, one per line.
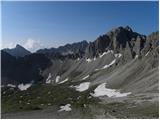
(18, 51)
(128, 28)
(18, 46)
(117, 40)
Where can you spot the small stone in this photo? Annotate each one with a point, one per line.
(38, 97)
(49, 104)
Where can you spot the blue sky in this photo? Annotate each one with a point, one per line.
(37, 25)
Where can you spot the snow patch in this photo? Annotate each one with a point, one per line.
(147, 53)
(10, 85)
(118, 55)
(97, 69)
(23, 87)
(67, 107)
(111, 51)
(101, 90)
(136, 56)
(94, 58)
(103, 54)
(57, 79)
(82, 87)
(63, 81)
(106, 66)
(85, 77)
(48, 80)
(89, 60)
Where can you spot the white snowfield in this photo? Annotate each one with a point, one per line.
(118, 55)
(85, 77)
(88, 60)
(23, 87)
(106, 66)
(82, 87)
(57, 79)
(48, 80)
(63, 81)
(67, 107)
(11, 85)
(101, 90)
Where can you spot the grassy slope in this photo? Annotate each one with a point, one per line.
(41, 96)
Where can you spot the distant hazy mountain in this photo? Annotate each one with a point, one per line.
(75, 48)
(18, 51)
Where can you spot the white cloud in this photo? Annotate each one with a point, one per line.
(33, 45)
(8, 45)
(29, 44)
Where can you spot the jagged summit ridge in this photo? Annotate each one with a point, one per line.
(118, 40)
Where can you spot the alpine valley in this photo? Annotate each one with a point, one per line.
(115, 76)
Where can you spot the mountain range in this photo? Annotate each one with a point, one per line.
(121, 61)
(120, 40)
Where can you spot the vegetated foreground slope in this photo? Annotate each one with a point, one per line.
(117, 77)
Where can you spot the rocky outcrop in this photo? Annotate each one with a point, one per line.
(119, 40)
(152, 42)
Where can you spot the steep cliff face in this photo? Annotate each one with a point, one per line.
(119, 40)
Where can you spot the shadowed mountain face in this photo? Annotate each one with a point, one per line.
(18, 51)
(22, 69)
(68, 49)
